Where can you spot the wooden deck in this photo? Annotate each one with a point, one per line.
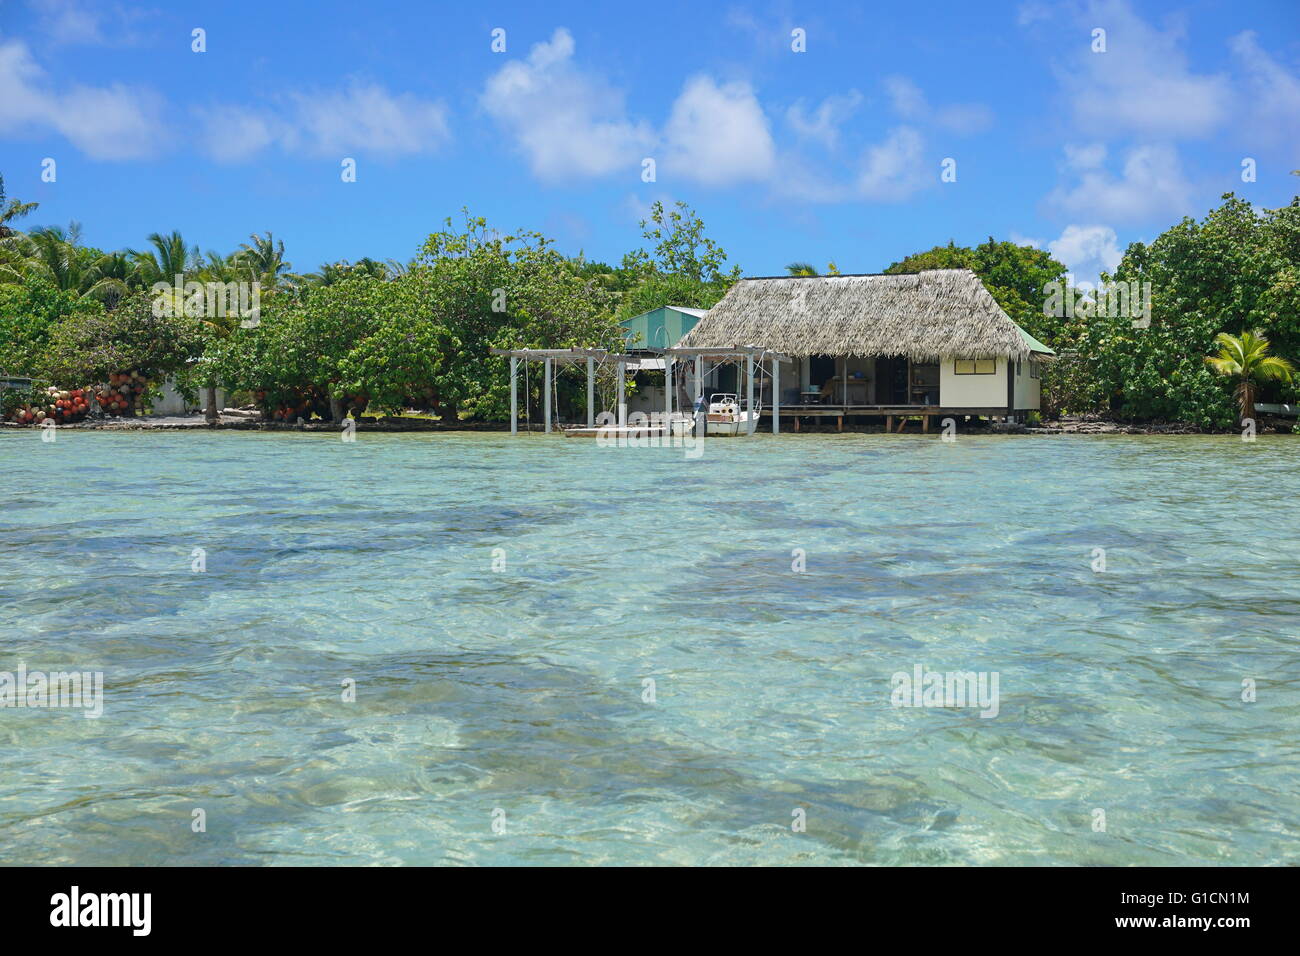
(888, 412)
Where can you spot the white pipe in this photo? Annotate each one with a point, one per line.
(749, 390)
(546, 404)
(668, 395)
(514, 394)
(620, 396)
(776, 395)
(699, 396)
(591, 392)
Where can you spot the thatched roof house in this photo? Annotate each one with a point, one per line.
(924, 316)
(934, 341)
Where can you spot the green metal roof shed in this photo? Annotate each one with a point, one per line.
(660, 328)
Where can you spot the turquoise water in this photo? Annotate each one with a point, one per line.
(521, 690)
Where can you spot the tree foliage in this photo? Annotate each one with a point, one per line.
(90, 345)
(1017, 277)
(1234, 270)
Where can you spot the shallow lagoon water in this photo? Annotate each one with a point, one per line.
(521, 690)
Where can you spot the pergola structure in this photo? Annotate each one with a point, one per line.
(552, 357)
(752, 355)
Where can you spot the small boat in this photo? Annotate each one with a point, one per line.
(725, 416)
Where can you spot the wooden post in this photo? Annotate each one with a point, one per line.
(749, 391)
(889, 423)
(546, 401)
(776, 395)
(514, 394)
(591, 392)
(619, 394)
(925, 423)
(839, 423)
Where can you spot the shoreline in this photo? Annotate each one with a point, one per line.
(412, 425)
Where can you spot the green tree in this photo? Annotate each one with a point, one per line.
(1018, 277)
(171, 256)
(1244, 359)
(89, 346)
(1236, 268)
(682, 266)
(30, 310)
(11, 210)
(264, 257)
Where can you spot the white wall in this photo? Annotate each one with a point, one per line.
(972, 391)
(170, 402)
(1028, 390)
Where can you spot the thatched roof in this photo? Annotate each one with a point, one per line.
(926, 316)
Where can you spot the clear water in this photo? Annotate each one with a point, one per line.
(522, 690)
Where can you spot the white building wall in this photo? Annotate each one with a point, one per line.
(1028, 391)
(972, 391)
(170, 402)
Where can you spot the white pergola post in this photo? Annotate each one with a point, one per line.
(668, 395)
(776, 395)
(591, 392)
(749, 390)
(514, 395)
(699, 395)
(619, 395)
(546, 402)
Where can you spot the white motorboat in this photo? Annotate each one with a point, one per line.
(726, 417)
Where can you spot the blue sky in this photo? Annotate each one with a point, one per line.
(834, 153)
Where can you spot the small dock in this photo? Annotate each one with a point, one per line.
(893, 415)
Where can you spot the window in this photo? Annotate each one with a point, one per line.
(974, 366)
(1033, 368)
(1018, 369)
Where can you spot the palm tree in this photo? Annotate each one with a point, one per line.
(801, 269)
(111, 277)
(170, 257)
(11, 210)
(265, 259)
(53, 254)
(1246, 359)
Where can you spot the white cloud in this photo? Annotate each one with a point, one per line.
(365, 117)
(361, 117)
(1091, 156)
(1271, 104)
(910, 104)
(1151, 186)
(105, 122)
(68, 21)
(91, 22)
(567, 123)
(1031, 12)
(894, 169)
(718, 135)
(1142, 83)
(1087, 251)
(1019, 240)
(823, 124)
